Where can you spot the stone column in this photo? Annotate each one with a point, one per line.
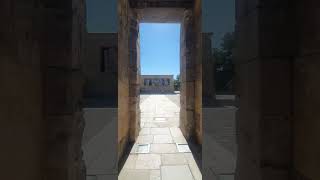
(197, 20)
(307, 92)
(40, 51)
(187, 75)
(265, 46)
(62, 47)
(134, 76)
(123, 77)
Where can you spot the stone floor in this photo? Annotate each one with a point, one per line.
(161, 151)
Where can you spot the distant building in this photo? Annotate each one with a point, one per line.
(157, 84)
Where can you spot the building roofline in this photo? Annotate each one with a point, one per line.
(156, 74)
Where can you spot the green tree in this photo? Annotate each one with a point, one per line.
(177, 83)
(224, 71)
(224, 54)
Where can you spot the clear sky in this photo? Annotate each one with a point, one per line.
(160, 48)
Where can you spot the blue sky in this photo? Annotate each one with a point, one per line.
(160, 48)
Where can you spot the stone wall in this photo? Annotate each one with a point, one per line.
(123, 76)
(264, 33)
(64, 47)
(277, 80)
(191, 74)
(101, 70)
(134, 75)
(198, 71)
(187, 75)
(128, 77)
(21, 106)
(157, 84)
(306, 92)
(41, 47)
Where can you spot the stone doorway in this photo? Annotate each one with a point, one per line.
(137, 128)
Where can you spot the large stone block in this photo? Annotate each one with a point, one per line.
(247, 38)
(277, 31)
(276, 142)
(64, 91)
(276, 82)
(263, 127)
(190, 95)
(245, 7)
(187, 122)
(61, 138)
(247, 168)
(306, 117)
(308, 15)
(275, 173)
(57, 173)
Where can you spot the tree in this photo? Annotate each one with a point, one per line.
(224, 54)
(177, 83)
(224, 68)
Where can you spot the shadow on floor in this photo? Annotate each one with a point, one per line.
(125, 156)
(196, 151)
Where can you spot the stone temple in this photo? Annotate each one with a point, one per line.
(156, 84)
(55, 127)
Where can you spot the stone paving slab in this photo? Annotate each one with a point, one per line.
(148, 161)
(162, 139)
(145, 139)
(176, 173)
(164, 148)
(160, 129)
(134, 174)
(173, 159)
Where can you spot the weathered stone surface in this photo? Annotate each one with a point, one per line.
(279, 101)
(41, 46)
(306, 119)
(198, 71)
(264, 79)
(187, 75)
(123, 77)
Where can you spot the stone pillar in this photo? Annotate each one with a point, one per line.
(134, 76)
(187, 75)
(62, 47)
(197, 20)
(265, 46)
(123, 77)
(40, 49)
(307, 92)
(22, 129)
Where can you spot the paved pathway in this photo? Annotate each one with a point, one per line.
(160, 134)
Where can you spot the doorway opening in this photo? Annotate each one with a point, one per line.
(161, 150)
